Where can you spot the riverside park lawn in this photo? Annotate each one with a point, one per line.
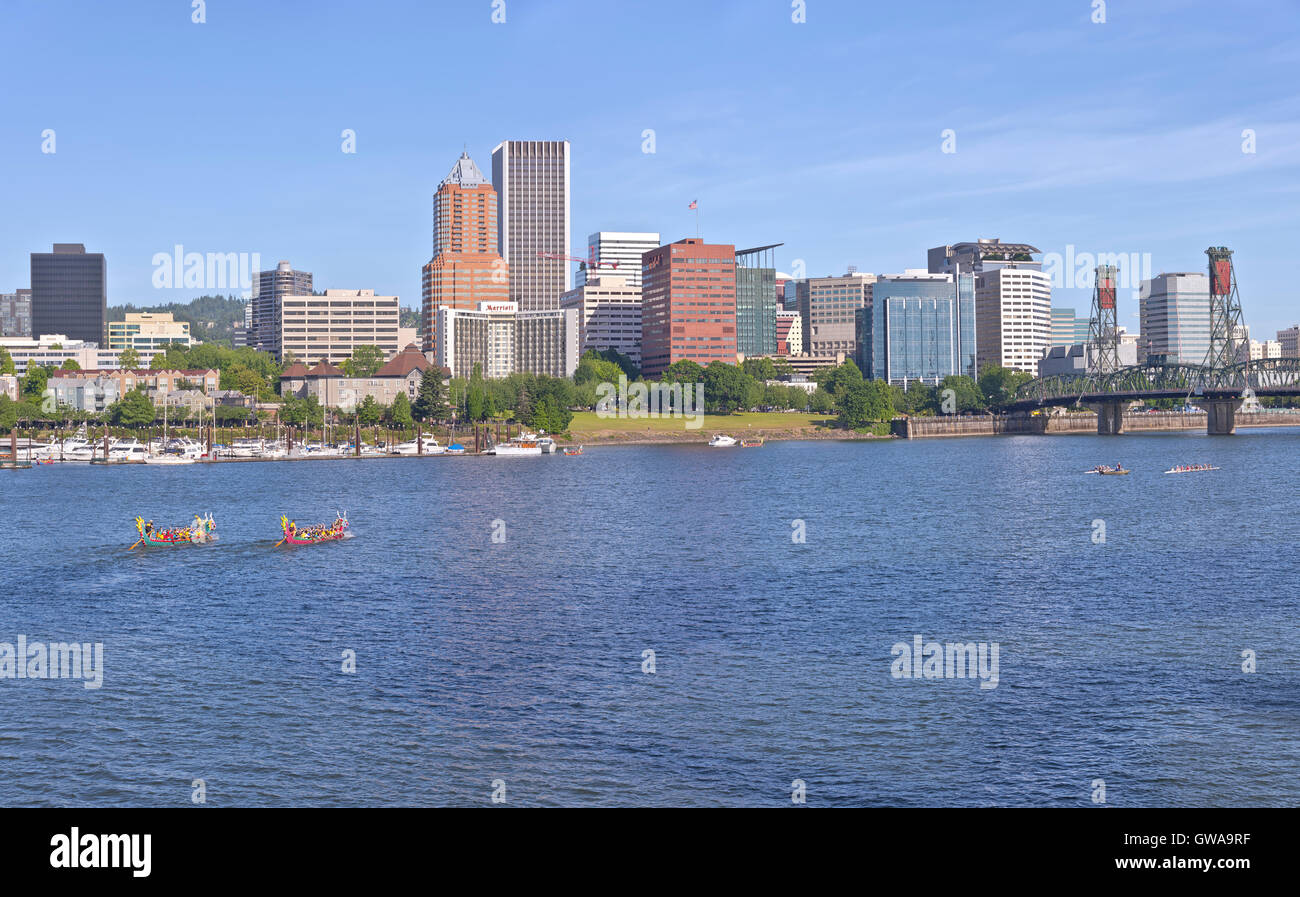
(587, 427)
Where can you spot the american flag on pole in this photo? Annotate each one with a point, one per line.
(694, 204)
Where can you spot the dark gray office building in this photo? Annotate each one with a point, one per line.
(70, 293)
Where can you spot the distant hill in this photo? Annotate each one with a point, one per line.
(211, 318)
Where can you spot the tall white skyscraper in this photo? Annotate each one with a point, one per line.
(1013, 317)
(531, 178)
(622, 248)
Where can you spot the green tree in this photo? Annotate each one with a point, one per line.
(34, 383)
(965, 397)
(550, 417)
(128, 358)
(864, 402)
(70, 364)
(369, 412)
(6, 362)
(998, 384)
(400, 411)
(8, 413)
(684, 371)
(592, 368)
(365, 361)
(726, 387)
(133, 409)
(431, 401)
(821, 401)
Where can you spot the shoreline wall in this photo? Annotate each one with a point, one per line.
(1134, 422)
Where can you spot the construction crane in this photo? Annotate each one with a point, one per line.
(590, 263)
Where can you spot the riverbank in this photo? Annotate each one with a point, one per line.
(587, 428)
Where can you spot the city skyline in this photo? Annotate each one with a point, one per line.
(1094, 166)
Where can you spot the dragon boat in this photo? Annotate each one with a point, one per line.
(310, 535)
(203, 529)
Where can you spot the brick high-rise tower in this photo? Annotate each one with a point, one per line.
(466, 268)
(688, 304)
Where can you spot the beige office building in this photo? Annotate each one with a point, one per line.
(609, 314)
(1013, 317)
(148, 332)
(827, 307)
(330, 327)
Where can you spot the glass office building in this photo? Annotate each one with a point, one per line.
(756, 301)
(70, 293)
(918, 326)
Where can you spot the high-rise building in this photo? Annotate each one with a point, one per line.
(329, 328)
(609, 314)
(918, 326)
(1289, 341)
(1068, 328)
(982, 255)
(148, 332)
(1174, 310)
(688, 307)
(791, 294)
(269, 290)
(828, 306)
(531, 178)
(622, 250)
(789, 333)
(466, 267)
(16, 313)
(1013, 315)
(70, 293)
(756, 301)
(503, 340)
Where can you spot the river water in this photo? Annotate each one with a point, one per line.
(519, 666)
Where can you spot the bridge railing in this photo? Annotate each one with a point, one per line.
(1162, 380)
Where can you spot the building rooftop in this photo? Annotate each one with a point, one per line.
(464, 173)
(401, 364)
(324, 369)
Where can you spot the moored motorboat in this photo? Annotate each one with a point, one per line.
(523, 444)
(722, 441)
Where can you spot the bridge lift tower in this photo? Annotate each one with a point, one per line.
(1225, 310)
(1103, 334)
(1103, 331)
(1225, 327)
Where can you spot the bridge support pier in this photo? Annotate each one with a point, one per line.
(1110, 417)
(1221, 416)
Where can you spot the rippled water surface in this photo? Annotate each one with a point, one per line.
(521, 661)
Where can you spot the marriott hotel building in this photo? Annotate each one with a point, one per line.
(504, 340)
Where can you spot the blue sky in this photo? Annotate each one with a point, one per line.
(1119, 137)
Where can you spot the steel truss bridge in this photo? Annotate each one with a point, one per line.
(1220, 390)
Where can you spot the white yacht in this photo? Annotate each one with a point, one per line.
(127, 451)
(722, 441)
(523, 444)
(412, 447)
